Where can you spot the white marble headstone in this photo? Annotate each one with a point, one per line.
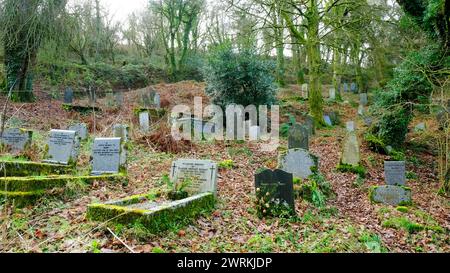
(202, 173)
(106, 156)
(144, 121)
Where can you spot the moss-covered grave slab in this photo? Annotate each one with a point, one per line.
(27, 168)
(24, 191)
(80, 109)
(156, 217)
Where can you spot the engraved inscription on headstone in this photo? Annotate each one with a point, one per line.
(395, 172)
(106, 156)
(391, 195)
(278, 185)
(17, 139)
(61, 146)
(202, 175)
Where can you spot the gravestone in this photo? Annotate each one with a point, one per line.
(17, 139)
(420, 127)
(328, 120)
(332, 94)
(68, 95)
(298, 137)
(106, 156)
(310, 125)
(157, 101)
(144, 121)
(391, 195)
(350, 126)
(254, 133)
(354, 88)
(81, 129)
(277, 185)
(363, 99)
(121, 131)
(201, 173)
(346, 87)
(395, 173)
(361, 110)
(351, 154)
(334, 117)
(62, 146)
(305, 91)
(299, 162)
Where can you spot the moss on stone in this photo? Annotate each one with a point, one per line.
(347, 168)
(26, 168)
(21, 199)
(154, 221)
(80, 109)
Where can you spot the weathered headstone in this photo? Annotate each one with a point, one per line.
(118, 98)
(351, 154)
(121, 131)
(276, 186)
(420, 127)
(298, 137)
(202, 175)
(363, 99)
(332, 94)
(144, 121)
(17, 139)
(395, 173)
(157, 101)
(305, 91)
(81, 129)
(391, 195)
(61, 147)
(346, 87)
(328, 120)
(68, 95)
(299, 162)
(350, 126)
(106, 156)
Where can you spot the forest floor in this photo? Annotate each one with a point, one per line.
(348, 223)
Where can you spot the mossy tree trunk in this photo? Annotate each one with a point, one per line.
(337, 73)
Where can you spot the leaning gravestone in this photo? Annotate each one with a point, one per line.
(351, 154)
(81, 129)
(17, 139)
(298, 137)
(62, 146)
(144, 121)
(395, 173)
(363, 99)
(299, 162)
(201, 173)
(106, 156)
(277, 186)
(68, 95)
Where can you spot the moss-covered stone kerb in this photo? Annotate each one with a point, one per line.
(157, 218)
(26, 168)
(21, 199)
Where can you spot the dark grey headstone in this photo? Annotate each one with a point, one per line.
(68, 95)
(391, 195)
(17, 139)
(278, 184)
(298, 137)
(106, 156)
(395, 172)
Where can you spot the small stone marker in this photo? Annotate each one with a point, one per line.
(144, 121)
(202, 173)
(277, 185)
(299, 162)
(62, 146)
(68, 95)
(298, 137)
(254, 133)
(305, 93)
(363, 99)
(350, 125)
(121, 131)
(351, 154)
(106, 156)
(332, 94)
(346, 88)
(420, 127)
(157, 101)
(328, 120)
(395, 173)
(81, 129)
(368, 121)
(354, 87)
(17, 139)
(391, 195)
